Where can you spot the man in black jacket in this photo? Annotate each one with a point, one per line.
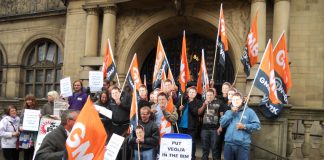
(147, 142)
(53, 145)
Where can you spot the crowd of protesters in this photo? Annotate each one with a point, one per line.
(217, 119)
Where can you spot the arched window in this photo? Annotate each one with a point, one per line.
(1, 74)
(43, 68)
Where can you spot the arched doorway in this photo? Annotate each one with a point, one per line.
(195, 43)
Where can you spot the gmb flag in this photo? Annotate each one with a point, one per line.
(133, 75)
(222, 43)
(250, 50)
(282, 70)
(265, 81)
(88, 136)
(109, 67)
(160, 65)
(202, 82)
(184, 75)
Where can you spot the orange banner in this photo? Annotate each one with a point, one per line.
(253, 42)
(88, 136)
(184, 76)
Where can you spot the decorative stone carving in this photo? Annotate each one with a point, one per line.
(24, 7)
(110, 9)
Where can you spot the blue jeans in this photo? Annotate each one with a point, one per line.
(210, 140)
(144, 155)
(236, 152)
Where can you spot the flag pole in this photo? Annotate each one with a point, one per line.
(248, 97)
(217, 38)
(128, 72)
(138, 144)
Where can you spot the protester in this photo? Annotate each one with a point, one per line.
(170, 89)
(238, 134)
(160, 111)
(48, 108)
(79, 96)
(9, 133)
(27, 139)
(209, 138)
(143, 101)
(103, 101)
(53, 145)
(146, 135)
(188, 123)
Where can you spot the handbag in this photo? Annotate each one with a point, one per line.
(17, 142)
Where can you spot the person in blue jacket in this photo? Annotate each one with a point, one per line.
(238, 134)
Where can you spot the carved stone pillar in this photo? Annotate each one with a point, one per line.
(290, 144)
(91, 45)
(280, 19)
(307, 145)
(108, 28)
(321, 148)
(260, 6)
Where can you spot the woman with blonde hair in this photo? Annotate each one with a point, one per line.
(48, 108)
(27, 139)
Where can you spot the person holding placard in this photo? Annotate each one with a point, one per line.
(240, 121)
(27, 138)
(53, 145)
(210, 113)
(48, 108)
(146, 135)
(79, 96)
(9, 133)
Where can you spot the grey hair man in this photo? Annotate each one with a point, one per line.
(53, 145)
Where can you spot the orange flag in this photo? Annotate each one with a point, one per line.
(265, 78)
(253, 41)
(133, 75)
(221, 30)
(133, 115)
(160, 62)
(282, 69)
(108, 67)
(163, 78)
(166, 126)
(202, 82)
(184, 67)
(88, 136)
(170, 76)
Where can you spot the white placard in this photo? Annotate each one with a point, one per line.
(59, 106)
(95, 80)
(104, 111)
(65, 87)
(31, 120)
(46, 126)
(175, 147)
(113, 147)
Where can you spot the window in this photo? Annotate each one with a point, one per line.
(43, 68)
(1, 73)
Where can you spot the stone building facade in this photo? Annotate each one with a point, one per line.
(45, 40)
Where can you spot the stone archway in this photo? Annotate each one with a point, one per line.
(167, 25)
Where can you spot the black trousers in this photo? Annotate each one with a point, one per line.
(10, 153)
(193, 133)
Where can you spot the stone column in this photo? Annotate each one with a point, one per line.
(108, 28)
(260, 6)
(280, 19)
(290, 144)
(321, 148)
(91, 45)
(307, 145)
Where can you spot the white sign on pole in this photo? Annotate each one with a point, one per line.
(46, 126)
(31, 120)
(113, 147)
(95, 80)
(175, 147)
(65, 87)
(104, 111)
